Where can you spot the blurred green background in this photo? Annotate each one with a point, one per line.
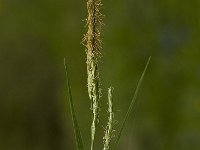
(36, 35)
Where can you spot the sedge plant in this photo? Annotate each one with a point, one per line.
(93, 45)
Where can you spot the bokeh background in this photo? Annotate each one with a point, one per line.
(36, 35)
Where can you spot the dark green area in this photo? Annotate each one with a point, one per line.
(36, 35)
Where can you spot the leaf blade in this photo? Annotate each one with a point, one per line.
(131, 105)
(77, 132)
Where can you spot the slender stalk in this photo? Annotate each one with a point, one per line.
(109, 128)
(92, 43)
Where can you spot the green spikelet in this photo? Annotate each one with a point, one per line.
(109, 128)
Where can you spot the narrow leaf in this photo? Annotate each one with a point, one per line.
(131, 105)
(78, 137)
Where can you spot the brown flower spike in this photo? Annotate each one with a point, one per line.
(92, 42)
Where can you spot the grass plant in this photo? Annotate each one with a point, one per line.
(92, 42)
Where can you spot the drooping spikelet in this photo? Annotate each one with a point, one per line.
(92, 42)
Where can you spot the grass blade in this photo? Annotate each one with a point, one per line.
(78, 137)
(131, 105)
